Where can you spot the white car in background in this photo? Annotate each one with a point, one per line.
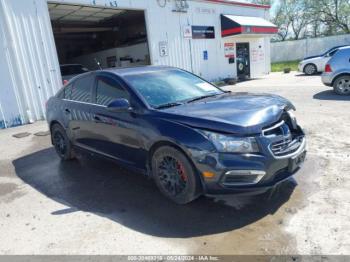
(316, 64)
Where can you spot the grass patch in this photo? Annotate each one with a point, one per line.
(278, 67)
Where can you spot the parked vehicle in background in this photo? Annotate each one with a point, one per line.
(337, 72)
(316, 64)
(191, 137)
(72, 70)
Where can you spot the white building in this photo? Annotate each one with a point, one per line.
(215, 39)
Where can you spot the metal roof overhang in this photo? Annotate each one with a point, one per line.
(233, 25)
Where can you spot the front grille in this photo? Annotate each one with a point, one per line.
(284, 140)
(286, 147)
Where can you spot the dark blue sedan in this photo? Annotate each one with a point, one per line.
(191, 137)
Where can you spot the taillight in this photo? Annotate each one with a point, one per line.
(65, 82)
(328, 68)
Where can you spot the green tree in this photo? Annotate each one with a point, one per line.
(298, 19)
(333, 14)
(281, 20)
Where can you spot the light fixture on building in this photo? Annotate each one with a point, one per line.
(181, 6)
(162, 3)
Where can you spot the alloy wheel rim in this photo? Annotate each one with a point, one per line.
(310, 69)
(60, 143)
(172, 175)
(344, 86)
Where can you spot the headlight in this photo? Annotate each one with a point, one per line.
(231, 144)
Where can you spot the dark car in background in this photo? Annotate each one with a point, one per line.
(191, 137)
(71, 70)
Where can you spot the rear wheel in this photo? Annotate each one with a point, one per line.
(310, 69)
(174, 175)
(61, 143)
(342, 85)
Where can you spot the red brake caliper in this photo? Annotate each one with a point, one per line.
(181, 170)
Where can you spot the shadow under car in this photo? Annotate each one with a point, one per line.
(101, 187)
(330, 95)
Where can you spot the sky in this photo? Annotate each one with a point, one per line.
(273, 7)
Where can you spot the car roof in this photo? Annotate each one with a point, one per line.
(344, 47)
(137, 70)
(340, 46)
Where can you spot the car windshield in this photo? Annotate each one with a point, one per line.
(333, 49)
(172, 87)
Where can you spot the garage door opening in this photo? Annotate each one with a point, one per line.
(86, 36)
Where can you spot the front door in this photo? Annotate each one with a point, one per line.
(115, 134)
(243, 61)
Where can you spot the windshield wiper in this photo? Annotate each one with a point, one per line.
(200, 98)
(167, 105)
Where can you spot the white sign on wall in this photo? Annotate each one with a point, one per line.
(163, 48)
(257, 54)
(229, 50)
(187, 32)
(206, 11)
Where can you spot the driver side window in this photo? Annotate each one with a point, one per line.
(109, 90)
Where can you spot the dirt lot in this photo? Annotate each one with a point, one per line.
(94, 207)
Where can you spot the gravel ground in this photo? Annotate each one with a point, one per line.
(92, 206)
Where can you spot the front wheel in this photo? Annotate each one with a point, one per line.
(61, 143)
(175, 175)
(342, 85)
(310, 69)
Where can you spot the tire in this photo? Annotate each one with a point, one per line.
(342, 85)
(61, 143)
(310, 69)
(175, 176)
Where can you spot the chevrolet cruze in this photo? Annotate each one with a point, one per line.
(189, 136)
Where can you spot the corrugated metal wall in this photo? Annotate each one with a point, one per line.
(29, 67)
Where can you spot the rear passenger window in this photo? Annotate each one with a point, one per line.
(109, 90)
(82, 89)
(68, 91)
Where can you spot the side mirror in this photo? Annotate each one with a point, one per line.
(119, 105)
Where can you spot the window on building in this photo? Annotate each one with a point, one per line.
(109, 90)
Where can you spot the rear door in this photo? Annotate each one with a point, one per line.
(78, 98)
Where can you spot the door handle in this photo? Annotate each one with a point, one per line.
(67, 111)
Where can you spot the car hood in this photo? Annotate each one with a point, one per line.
(311, 57)
(240, 113)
